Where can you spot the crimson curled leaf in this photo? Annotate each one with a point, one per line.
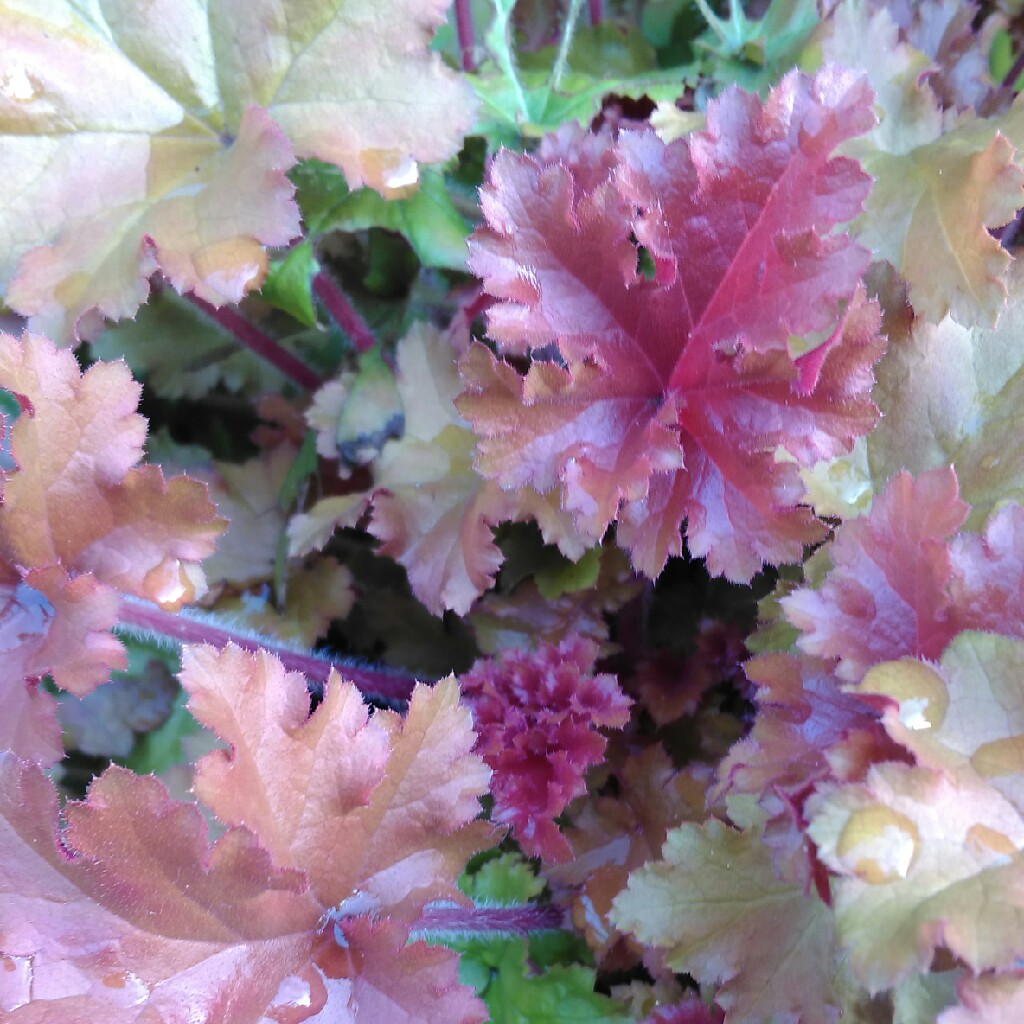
(678, 396)
(536, 715)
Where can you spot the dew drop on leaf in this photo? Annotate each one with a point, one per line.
(879, 843)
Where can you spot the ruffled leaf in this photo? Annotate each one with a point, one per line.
(678, 392)
(536, 715)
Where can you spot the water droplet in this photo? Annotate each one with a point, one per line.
(403, 175)
(130, 989)
(16, 84)
(920, 691)
(879, 843)
(990, 839)
(1000, 757)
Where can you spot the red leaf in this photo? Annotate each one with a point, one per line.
(678, 392)
(536, 714)
(385, 980)
(110, 916)
(78, 498)
(802, 712)
(987, 585)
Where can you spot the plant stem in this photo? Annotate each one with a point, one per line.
(467, 35)
(344, 314)
(513, 920)
(499, 45)
(1010, 79)
(256, 341)
(194, 627)
(714, 22)
(596, 10)
(562, 60)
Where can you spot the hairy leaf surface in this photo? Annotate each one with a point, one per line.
(131, 913)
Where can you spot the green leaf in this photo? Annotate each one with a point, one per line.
(567, 577)
(753, 53)
(507, 878)
(391, 265)
(428, 219)
(605, 51)
(182, 353)
(558, 996)
(161, 749)
(578, 98)
(672, 26)
(550, 948)
(299, 472)
(525, 100)
(1000, 59)
(289, 282)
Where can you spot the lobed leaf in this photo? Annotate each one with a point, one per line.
(966, 712)
(109, 919)
(373, 815)
(612, 836)
(78, 498)
(802, 714)
(377, 811)
(902, 585)
(939, 187)
(157, 136)
(886, 594)
(713, 904)
(929, 860)
(950, 394)
(432, 511)
(674, 395)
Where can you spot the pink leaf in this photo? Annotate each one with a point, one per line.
(536, 715)
(886, 596)
(678, 393)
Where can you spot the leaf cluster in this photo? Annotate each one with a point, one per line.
(511, 511)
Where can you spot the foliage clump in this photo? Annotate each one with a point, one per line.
(512, 512)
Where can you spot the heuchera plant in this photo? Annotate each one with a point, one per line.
(511, 512)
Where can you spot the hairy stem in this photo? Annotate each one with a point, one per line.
(192, 627)
(467, 35)
(261, 344)
(512, 920)
(344, 314)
